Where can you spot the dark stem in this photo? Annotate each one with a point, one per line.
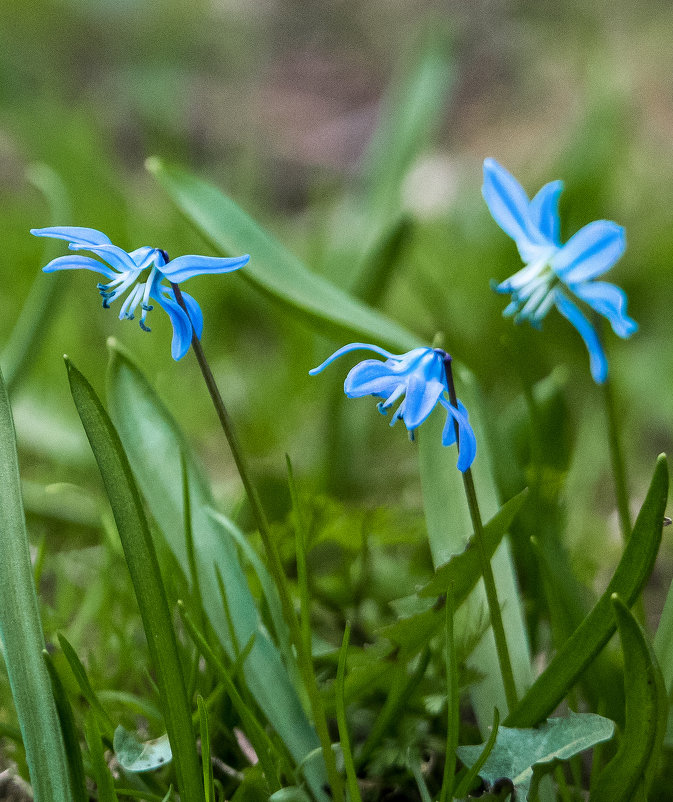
(486, 569)
(275, 564)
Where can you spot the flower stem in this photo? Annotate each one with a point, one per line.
(274, 561)
(617, 459)
(486, 569)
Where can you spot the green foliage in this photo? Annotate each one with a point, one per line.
(517, 752)
(138, 756)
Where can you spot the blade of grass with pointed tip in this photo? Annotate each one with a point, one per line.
(70, 735)
(143, 566)
(448, 522)
(473, 772)
(206, 762)
(141, 418)
(342, 724)
(630, 773)
(272, 268)
(598, 627)
(21, 632)
(410, 115)
(101, 773)
(42, 299)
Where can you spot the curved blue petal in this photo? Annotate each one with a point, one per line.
(195, 314)
(115, 256)
(590, 252)
(608, 300)
(184, 267)
(597, 358)
(371, 377)
(467, 450)
(544, 211)
(421, 398)
(182, 326)
(510, 208)
(74, 234)
(78, 263)
(345, 349)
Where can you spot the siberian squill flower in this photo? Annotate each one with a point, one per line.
(125, 271)
(558, 274)
(419, 379)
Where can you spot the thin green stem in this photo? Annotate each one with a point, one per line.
(617, 459)
(274, 561)
(486, 569)
(452, 702)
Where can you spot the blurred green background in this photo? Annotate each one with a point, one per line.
(278, 103)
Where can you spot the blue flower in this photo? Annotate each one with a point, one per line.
(419, 379)
(558, 274)
(125, 270)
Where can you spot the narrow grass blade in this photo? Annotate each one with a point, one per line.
(630, 773)
(99, 768)
(82, 679)
(21, 632)
(272, 268)
(143, 566)
(205, 750)
(70, 734)
(452, 702)
(302, 574)
(473, 772)
(141, 417)
(598, 627)
(342, 724)
(42, 300)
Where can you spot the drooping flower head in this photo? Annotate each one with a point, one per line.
(558, 274)
(125, 271)
(419, 379)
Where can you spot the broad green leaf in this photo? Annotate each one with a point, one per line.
(630, 773)
(448, 521)
(154, 442)
(70, 734)
(272, 268)
(138, 756)
(21, 632)
(99, 768)
(518, 751)
(42, 300)
(598, 627)
(410, 115)
(143, 566)
(462, 570)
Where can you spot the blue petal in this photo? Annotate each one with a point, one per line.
(195, 314)
(468, 442)
(597, 358)
(74, 234)
(510, 208)
(182, 326)
(78, 263)
(421, 398)
(608, 300)
(185, 267)
(345, 349)
(371, 377)
(544, 211)
(590, 252)
(115, 256)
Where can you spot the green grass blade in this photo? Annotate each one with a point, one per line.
(70, 734)
(630, 773)
(82, 679)
(99, 768)
(342, 724)
(21, 632)
(452, 701)
(206, 762)
(473, 772)
(143, 566)
(141, 417)
(410, 115)
(273, 269)
(598, 627)
(42, 300)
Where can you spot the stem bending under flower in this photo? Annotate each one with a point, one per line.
(486, 569)
(275, 564)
